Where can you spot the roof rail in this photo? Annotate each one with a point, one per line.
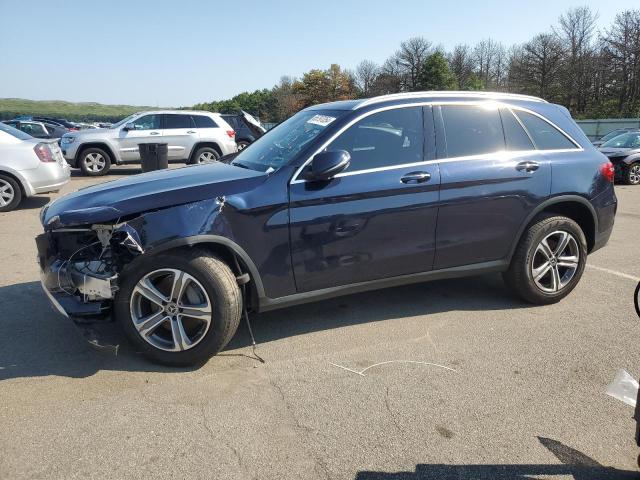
(450, 93)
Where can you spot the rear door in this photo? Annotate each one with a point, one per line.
(180, 133)
(492, 178)
(377, 219)
(146, 129)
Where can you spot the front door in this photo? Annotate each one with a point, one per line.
(146, 129)
(376, 219)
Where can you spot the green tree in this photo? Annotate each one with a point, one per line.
(435, 74)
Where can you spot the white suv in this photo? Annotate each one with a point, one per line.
(192, 137)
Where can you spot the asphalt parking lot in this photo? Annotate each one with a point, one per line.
(522, 395)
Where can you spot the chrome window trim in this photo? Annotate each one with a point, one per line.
(499, 153)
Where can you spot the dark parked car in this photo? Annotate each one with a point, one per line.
(624, 152)
(340, 198)
(247, 128)
(38, 129)
(613, 134)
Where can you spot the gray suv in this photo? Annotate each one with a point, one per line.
(192, 137)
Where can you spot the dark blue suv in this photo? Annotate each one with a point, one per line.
(340, 198)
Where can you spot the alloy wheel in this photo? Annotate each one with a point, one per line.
(634, 174)
(206, 157)
(95, 162)
(170, 310)
(7, 193)
(555, 261)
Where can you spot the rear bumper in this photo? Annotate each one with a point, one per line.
(48, 177)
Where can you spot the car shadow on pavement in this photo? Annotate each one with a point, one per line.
(573, 463)
(37, 341)
(482, 293)
(31, 203)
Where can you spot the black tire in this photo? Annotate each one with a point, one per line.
(221, 287)
(242, 144)
(11, 193)
(86, 165)
(631, 174)
(205, 151)
(519, 277)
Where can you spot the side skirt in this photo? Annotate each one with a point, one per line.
(267, 304)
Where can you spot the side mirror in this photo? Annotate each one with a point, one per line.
(129, 126)
(326, 165)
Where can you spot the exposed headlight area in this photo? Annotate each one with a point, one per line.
(80, 265)
(66, 140)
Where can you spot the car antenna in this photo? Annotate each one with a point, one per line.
(242, 280)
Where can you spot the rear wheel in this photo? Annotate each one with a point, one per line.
(179, 308)
(549, 260)
(94, 162)
(10, 193)
(205, 155)
(632, 174)
(242, 144)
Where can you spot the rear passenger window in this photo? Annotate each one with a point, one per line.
(392, 137)
(544, 135)
(514, 135)
(177, 121)
(203, 121)
(472, 130)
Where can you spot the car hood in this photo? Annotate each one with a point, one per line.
(148, 191)
(91, 133)
(618, 152)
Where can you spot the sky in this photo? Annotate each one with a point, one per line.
(177, 53)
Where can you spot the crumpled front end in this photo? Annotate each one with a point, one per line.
(80, 266)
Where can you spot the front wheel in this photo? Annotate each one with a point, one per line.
(179, 308)
(94, 162)
(549, 260)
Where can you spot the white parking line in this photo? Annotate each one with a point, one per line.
(615, 272)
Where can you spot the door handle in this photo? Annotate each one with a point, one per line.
(527, 166)
(154, 133)
(417, 177)
(191, 131)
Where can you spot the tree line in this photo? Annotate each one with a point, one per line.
(595, 74)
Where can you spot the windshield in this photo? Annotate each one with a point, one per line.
(626, 140)
(124, 120)
(279, 145)
(14, 132)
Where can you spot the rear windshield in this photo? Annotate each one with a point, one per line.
(14, 132)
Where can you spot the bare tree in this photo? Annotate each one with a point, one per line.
(365, 76)
(411, 56)
(575, 32)
(621, 49)
(534, 66)
(462, 65)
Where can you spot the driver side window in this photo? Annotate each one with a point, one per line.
(147, 122)
(383, 139)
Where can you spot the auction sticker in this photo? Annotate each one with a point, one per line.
(322, 120)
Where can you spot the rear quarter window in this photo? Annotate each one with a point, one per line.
(544, 135)
(203, 121)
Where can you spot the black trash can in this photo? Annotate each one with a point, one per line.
(153, 156)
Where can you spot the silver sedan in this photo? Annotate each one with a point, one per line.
(28, 166)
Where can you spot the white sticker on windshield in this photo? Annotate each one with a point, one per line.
(322, 120)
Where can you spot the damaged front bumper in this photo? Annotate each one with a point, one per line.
(79, 267)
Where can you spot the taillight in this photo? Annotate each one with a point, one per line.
(74, 129)
(608, 171)
(44, 153)
(231, 133)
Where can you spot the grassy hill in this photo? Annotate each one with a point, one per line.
(12, 107)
